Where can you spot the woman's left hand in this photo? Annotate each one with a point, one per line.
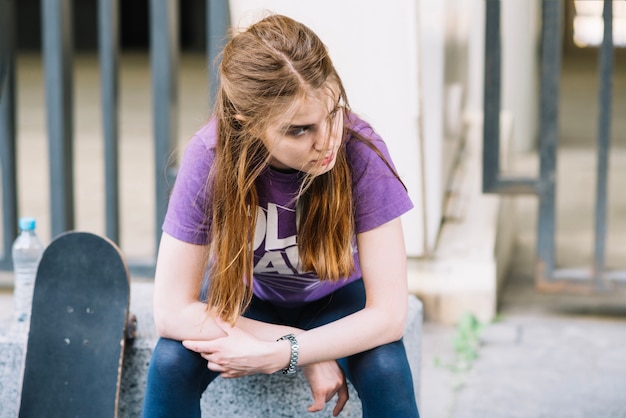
(326, 380)
(240, 354)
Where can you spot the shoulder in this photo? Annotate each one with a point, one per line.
(365, 149)
(200, 151)
(378, 193)
(358, 125)
(187, 215)
(203, 141)
(196, 163)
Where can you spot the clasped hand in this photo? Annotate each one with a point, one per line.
(240, 354)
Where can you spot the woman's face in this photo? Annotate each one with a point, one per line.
(309, 140)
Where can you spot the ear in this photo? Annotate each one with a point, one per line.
(240, 117)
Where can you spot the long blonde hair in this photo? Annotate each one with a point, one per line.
(264, 70)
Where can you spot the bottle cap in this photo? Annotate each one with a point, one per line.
(27, 224)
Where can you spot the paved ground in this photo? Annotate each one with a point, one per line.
(548, 367)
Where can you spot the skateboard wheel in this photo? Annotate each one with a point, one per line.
(131, 327)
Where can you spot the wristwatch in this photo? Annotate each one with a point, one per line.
(293, 361)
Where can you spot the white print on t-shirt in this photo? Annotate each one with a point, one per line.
(281, 254)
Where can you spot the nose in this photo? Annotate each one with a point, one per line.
(326, 139)
(323, 142)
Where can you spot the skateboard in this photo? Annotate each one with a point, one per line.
(78, 329)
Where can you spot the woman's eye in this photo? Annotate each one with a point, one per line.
(299, 131)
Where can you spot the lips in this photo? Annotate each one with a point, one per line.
(327, 160)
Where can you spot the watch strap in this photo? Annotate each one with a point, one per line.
(293, 360)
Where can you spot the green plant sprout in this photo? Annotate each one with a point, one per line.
(466, 343)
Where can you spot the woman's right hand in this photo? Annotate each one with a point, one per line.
(326, 379)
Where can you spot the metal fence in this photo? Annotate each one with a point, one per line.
(56, 20)
(548, 277)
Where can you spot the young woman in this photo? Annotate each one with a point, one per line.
(286, 207)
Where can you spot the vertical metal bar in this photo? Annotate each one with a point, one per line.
(549, 136)
(108, 38)
(492, 95)
(164, 63)
(57, 54)
(218, 18)
(7, 47)
(493, 181)
(604, 137)
(7, 130)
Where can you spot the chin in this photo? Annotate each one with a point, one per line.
(318, 171)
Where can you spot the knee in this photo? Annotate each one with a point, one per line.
(385, 363)
(176, 380)
(382, 377)
(171, 358)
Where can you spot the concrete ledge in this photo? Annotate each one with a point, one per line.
(250, 397)
(12, 347)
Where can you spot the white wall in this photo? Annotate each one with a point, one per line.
(451, 52)
(431, 35)
(476, 59)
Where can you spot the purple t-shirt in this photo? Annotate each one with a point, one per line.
(378, 198)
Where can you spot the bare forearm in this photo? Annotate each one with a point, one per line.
(191, 321)
(353, 334)
(195, 322)
(265, 331)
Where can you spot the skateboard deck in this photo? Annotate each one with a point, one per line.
(77, 330)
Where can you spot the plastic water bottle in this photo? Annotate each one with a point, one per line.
(27, 250)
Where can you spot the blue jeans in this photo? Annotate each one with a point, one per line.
(177, 377)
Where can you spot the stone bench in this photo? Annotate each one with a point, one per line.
(259, 396)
